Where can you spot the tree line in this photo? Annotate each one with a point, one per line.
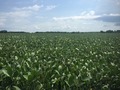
(110, 31)
(5, 31)
(102, 31)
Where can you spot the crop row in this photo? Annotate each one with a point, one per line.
(59, 61)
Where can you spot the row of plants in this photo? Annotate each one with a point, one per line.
(51, 61)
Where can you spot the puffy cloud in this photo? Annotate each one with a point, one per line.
(23, 12)
(92, 16)
(19, 14)
(33, 8)
(18, 17)
(112, 20)
(16, 14)
(88, 13)
(13, 17)
(75, 17)
(69, 25)
(50, 7)
(84, 16)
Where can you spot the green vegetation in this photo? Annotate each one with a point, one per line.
(59, 61)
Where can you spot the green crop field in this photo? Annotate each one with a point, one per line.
(60, 61)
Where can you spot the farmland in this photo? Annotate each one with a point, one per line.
(59, 61)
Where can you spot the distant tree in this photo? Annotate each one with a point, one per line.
(17, 32)
(118, 31)
(75, 32)
(101, 31)
(3, 31)
(109, 31)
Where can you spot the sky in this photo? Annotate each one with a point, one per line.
(59, 15)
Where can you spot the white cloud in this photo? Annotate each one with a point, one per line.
(84, 16)
(75, 17)
(69, 25)
(50, 7)
(18, 14)
(33, 8)
(85, 13)
(36, 7)
(113, 14)
(13, 17)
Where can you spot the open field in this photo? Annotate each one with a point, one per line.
(60, 61)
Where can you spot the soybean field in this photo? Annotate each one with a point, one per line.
(59, 61)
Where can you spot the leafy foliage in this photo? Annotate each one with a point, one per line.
(60, 61)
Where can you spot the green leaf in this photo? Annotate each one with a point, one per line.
(26, 77)
(57, 72)
(9, 70)
(27, 64)
(5, 72)
(86, 79)
(67, 83)
(16, 88)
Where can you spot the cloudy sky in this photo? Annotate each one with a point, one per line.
(59, 15)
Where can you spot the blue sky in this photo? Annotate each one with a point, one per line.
(59, 15)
